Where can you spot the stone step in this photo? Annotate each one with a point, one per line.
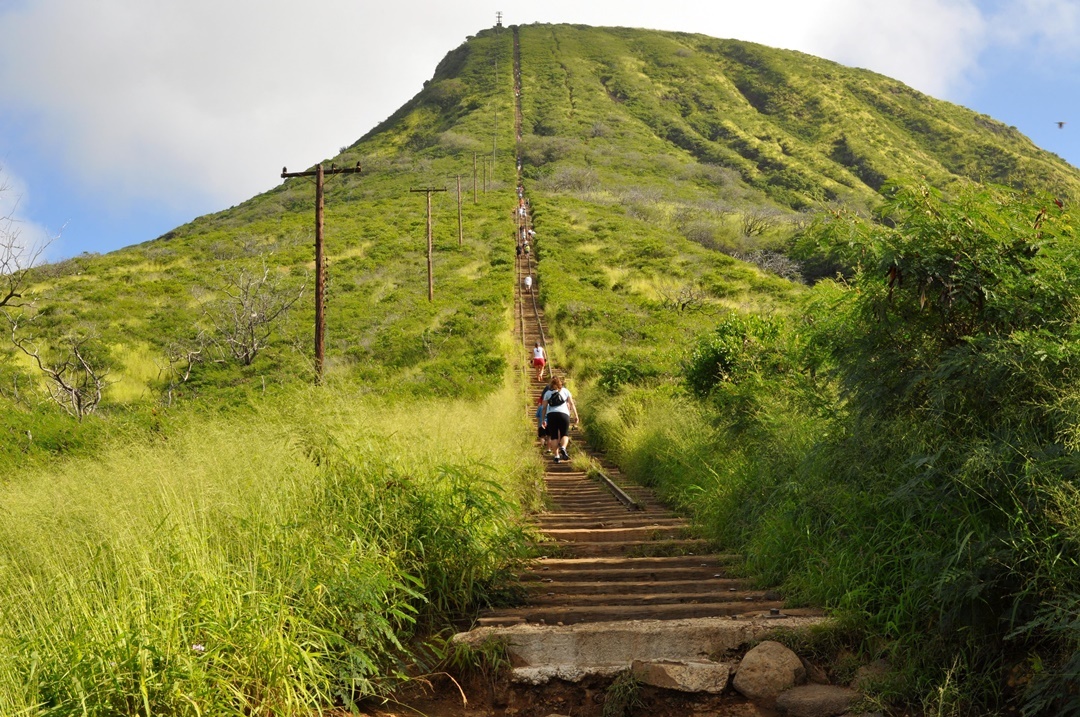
(589, 506)
(629, 521)
(616, 575)
(678, 561)
(656, 596)
(607, 535)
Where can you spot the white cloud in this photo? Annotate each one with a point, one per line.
(196, 101)
(20, 238)
(205, 97)
(931, 45)
(1046, 29)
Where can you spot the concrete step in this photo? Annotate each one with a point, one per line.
(573, 652)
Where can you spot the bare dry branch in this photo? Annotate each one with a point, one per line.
(246, 319)
(684, 298)
(756, 222)
(74, 380)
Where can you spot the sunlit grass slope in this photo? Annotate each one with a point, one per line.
(652, 158)
(268, 562)
(796, 127)
(381, 330)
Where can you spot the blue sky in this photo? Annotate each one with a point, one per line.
(121, 119)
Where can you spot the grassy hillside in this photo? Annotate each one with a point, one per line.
(802, 130)
(670, 174)
(673, 177)
(382, 330)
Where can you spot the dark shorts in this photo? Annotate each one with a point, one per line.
(558, 425)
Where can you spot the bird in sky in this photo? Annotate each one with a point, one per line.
(1061, 125)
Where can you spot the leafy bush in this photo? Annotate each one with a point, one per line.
(907, 452)
(740, 344)
(625, 370)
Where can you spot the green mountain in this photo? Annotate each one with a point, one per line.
(800, 129)
(651, 157)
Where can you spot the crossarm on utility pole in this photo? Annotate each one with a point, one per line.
(286, 174)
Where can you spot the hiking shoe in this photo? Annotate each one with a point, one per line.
(563, 454)
(556, 459)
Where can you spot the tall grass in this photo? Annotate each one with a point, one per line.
(905, 453)
(272, 561)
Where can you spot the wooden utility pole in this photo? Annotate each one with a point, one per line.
(460, 229)
(430, 273)
(485, 175)
(474, 177)
(320, 264)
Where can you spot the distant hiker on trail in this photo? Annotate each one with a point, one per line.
(526, 248)
(541, 433)
(528, 283)
(539, 360)
(517, 248)
(558, 404)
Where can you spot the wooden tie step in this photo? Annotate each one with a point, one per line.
(629, 548)
(572, 614)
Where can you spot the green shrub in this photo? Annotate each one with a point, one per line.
(625, 370)
(738, 345)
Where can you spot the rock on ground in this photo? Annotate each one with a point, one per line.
(767, 670)
(816, 701)
(874, 674)
(710, 677)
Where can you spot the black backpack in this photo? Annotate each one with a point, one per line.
(556, 399)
